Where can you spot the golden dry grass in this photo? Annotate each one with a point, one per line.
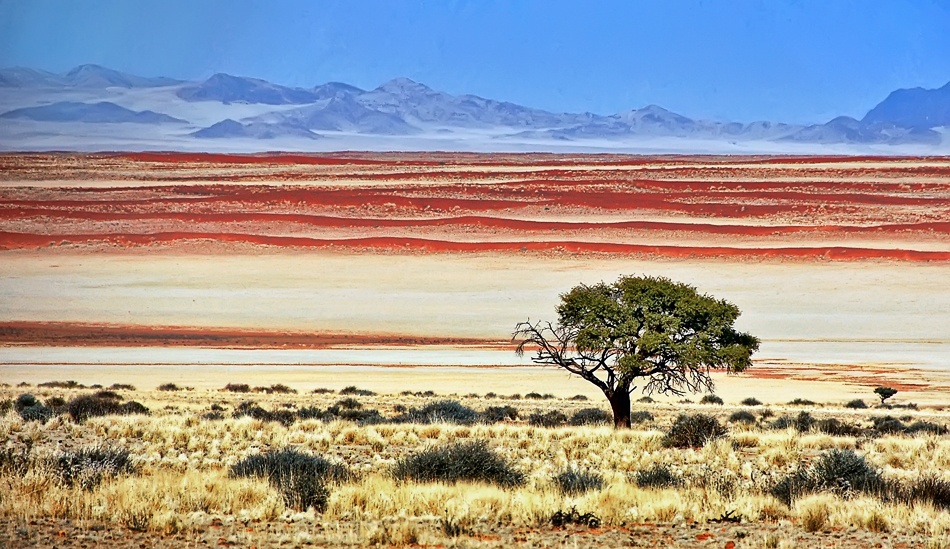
(181, 481)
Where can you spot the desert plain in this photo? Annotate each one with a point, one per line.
(407, 272)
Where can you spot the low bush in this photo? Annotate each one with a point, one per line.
(573, 482)
(926, 427)
(646, 400)
(355, 391)
(86, 406)
(742, 416)
(591, 416)
(121, 387)
(471, 461)
(658, 476)
(856, 404)
(251, 409)
(928, 489)
(237, 388)
(169, 387)
(31, 408)
(277, 388)
(300, 478)
(640, 416)
(26, 400)
(88, 467)
(751, 401)
(348, 404)
(62, 385)
(693, 431)
(801, 402)
(497, 414)
(533, 396)
(579, 398)
(711, 399)
(442, 411)
(553, 418)
(836, 427)
(801, 423)
(842, 472)
(14, 461)
(322, 391)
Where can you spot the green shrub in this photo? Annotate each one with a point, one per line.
(856, 404)
(300, 478)
(86, 406)
(640, 416)
(355, 391)
(497, 414)
(553, 418)
(658, 476)
(693, 431)
(751, 401)
(471, 461)
(839, 471)
(591, 416)
(88, 467)
(711, 399)
(576, 481)
(742, 416)
(442, 411)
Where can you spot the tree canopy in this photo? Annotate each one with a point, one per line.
(662, 332)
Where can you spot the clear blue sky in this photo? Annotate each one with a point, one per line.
(797, 61)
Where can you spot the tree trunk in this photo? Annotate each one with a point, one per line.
(620, 404)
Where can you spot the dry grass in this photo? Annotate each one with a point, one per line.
(180, 480)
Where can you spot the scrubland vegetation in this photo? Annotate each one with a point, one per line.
(279, 466)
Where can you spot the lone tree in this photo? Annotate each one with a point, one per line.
(885, 393)
(654, 329)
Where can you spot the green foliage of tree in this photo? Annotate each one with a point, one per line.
(648, 328)
(885, 393)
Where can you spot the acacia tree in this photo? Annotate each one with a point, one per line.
(652, 329)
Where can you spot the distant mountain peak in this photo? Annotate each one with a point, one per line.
(403, 85)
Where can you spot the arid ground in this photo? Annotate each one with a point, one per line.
(399, 272)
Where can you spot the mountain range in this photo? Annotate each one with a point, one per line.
(225, 107)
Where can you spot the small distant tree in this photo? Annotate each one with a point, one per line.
(663, 332)
(885, 393)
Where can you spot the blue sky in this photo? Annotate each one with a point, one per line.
(796, 61)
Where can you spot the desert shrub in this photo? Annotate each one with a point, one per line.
(88, 467)
(801, 402)
(56, 402)
(801, 423)
(856, 404)
(742, 416)
(533, 396)
(658, 476)
(237, 388)
(251, 409)
(491, 395)
(169, 387)
(277, 388)
(355, 391)
(646, 400)
(442, 411)
(62, 385)
(711, 399)
(25, 400)
(300, 478)
(553, 418)
(14, 461)
(37, 413)
(751, 401)
(86, 406)
(470, 461)
(766, 413)
(579, 398)
(497, 414)
(640, 416)
(573, 481)
(926, 427)
(929, 489)
(693, 431)
(515, 396)
(836, 427)
(839, 471)
(310, 412)
(213, 415)
(590, 416)
(348, 404)
(121, 387)
(364, 417)
(107, 395)
(321, 391)
(888, 425)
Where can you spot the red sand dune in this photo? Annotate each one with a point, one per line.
(805, 208)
